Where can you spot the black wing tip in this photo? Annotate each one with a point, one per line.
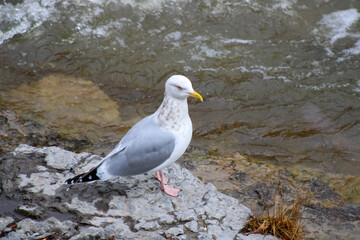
(70, 181)
(84, 177)
(76, 179)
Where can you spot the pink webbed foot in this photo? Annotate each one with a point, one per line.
(169, 190)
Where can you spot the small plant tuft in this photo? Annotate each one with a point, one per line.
(284, 222)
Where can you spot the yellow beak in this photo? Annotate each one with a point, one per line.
(196, 95)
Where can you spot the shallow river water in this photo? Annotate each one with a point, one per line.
(280, 79)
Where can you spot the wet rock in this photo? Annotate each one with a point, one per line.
(340, 222)
(190, 165)
(322, 191)
(32, 212)
(239, 177)
(124, 208)
(72, 106)
(197, 150)
(14, 129)
(265, 194)
(325, 216)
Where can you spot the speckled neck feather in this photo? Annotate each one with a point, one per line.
(171, 112)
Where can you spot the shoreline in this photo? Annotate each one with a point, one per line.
(254, 183)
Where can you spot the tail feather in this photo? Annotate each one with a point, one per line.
(84, 177)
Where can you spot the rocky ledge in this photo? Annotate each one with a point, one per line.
(39, 205)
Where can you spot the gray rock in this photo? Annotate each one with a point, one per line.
(8, 229)
(124, 208)
(89, 233)
(149, 226)
(30, 229)
(33, 212)
(217, 231)
(204, 236)
(4, 222)
(186, 215)
(13, 235)
(211, 221)
(174, 231)
(192, 226)
(255, 237)
(322, 191)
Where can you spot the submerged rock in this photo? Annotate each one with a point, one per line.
(17, 128)
(72, 106)
(123, 208)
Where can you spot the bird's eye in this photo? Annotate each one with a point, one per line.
(180, 88)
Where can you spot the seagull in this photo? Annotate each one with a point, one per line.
(154, 142)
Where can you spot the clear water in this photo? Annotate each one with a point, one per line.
(280, 79)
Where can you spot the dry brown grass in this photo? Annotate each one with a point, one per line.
(284, 222)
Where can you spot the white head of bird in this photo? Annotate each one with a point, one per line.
(180, 87)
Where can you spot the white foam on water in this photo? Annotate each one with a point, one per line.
(323, 86)
(23, 17)
(202, 50)
(357, 87)
(285, 5)
(336, 26)
(347, 53)
(269, 6)
(174, 36)
(284, 79)
(153, 5)
(355, 50)
(237, 41)
(339, 23)
(99, 31)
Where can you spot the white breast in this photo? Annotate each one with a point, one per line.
(173, 116)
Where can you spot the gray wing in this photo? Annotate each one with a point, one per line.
(143, 148)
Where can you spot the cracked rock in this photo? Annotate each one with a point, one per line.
(122, 208)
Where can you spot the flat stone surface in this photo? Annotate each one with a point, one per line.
(124, 208)
(255, 237)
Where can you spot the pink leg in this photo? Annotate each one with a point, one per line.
(160, 176)
(169, 190)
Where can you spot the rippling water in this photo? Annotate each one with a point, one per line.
(281, 79)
